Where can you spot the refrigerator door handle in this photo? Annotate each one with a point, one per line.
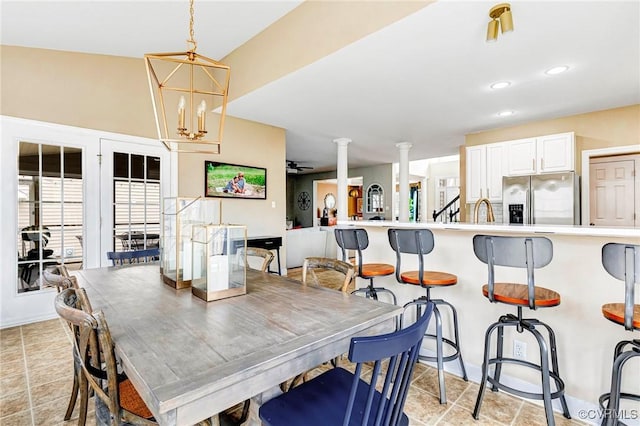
(531, 198)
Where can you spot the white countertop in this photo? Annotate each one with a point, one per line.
(592, 231)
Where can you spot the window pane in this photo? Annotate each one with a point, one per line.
(29, 159)
(72, 190)
(120, 165)
(72, 216)
(72, 163)
(51, 189)
(51, 214)
(153, 168)
(137, 166)
(51, 161)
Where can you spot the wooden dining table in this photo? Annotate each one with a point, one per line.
(191, 359)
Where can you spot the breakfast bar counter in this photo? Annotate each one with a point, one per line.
(585, 338)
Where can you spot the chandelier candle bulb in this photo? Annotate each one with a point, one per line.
(181, 113)
(202, 109)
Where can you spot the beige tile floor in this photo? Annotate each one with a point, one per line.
(36, 376)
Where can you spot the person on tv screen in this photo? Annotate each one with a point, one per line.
(240, 183)
(232, 185)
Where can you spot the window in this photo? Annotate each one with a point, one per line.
(50, 210)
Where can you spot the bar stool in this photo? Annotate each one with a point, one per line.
(528, 253)
(357, 239)
(420, 242)
(622, 261)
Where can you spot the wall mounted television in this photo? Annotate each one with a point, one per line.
(234, 181)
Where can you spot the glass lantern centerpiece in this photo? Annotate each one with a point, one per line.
(219, 261)
(179, 215)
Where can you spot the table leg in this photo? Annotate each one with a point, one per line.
(256, 402)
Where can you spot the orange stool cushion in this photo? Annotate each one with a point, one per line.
(518, 294)
(377, 269)
(130, 400)
(615, 312)
(429, 278)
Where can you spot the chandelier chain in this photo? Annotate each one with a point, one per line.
(191, 32)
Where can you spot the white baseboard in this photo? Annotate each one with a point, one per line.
(28, 320)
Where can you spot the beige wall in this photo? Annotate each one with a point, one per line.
(593, 130)
(111, 93)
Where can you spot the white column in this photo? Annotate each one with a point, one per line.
(342, 175)
(403, 181)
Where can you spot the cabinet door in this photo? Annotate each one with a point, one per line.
(522, 157)
(495, 171)
(556, 153)
(476, 172)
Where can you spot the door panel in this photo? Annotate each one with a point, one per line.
(612, 192)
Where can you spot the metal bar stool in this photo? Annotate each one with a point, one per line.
(622, 261)
(420, 242)
(357, 239)
(528, 253)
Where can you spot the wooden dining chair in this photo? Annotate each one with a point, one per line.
(342, 397)
(133, 256)
(257, 252)
(310, 265)
(61, 282)
(117, 401)
(322, 263)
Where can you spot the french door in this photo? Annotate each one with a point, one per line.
(134, 178)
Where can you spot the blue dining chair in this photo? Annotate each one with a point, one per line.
(133, 256)
(340, 397)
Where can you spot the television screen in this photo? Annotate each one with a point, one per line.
(234, 181)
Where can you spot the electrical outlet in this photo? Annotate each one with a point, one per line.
(519, 349)
(68, 252)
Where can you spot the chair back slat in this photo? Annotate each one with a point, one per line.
(266, 256)
(133, 256)
(622, 261)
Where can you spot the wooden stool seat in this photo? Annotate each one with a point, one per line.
(615, 312)
(131, 401)
(518, 294)
(376, 270)
(434, 278)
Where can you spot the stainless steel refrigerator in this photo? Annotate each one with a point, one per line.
(546, 199)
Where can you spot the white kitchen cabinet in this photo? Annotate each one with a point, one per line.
(543, 154)
(556, 153)
(485, 168)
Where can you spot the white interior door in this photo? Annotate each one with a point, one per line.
(612, 193)
(134, 178)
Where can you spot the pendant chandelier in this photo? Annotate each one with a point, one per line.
(189, 94)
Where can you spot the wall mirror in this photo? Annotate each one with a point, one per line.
(375, 198)
(329, 201)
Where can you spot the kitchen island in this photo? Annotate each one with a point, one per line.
(586, 340)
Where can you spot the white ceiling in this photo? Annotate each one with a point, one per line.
(424, 79)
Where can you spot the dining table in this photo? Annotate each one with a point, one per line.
(190, 359)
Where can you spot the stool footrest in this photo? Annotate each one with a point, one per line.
(524, 394)
(447, 358)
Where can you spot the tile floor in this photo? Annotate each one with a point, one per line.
(36, 376)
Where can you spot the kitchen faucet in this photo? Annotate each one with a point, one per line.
(476, 208)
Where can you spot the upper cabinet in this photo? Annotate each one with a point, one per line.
(485, 168)
(544, 154)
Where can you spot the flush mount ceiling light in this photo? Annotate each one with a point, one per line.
(505, 113)
(500, 85)
(557, 70)
(500, 15)
(185, 87)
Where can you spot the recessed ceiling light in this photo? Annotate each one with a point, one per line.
(557, 70)
(500, 85)
(505, 113)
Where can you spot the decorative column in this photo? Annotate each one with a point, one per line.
(403, 181)
(342, 176)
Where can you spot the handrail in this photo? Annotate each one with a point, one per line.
(436, 214)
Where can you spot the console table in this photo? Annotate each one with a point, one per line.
(269, 243)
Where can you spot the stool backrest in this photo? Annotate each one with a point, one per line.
(401, 349)
(515, 252)
(411, 241)
(622, 261)
(352, 239)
